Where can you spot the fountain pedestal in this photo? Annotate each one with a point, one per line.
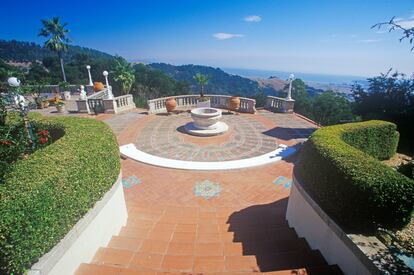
(206, 122)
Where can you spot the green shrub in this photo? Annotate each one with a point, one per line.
(46, 194)
(340, 169)
(379, 139)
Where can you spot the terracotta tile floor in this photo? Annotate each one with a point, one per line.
(240, 228)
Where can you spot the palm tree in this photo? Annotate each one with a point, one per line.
(56, 33)
(125, 74)
(202, 80)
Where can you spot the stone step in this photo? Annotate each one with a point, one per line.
(215, 248)
(186, 263)
(203, 234)
(289, 260)
(139, 221)
(318, 270)
(98, 269)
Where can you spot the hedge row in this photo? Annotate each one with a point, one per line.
(339, 166)
(47, 193)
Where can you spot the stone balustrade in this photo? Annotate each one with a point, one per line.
(119, 104)
(279, 105)
(93, 103)
(100, 103)
(247, 105)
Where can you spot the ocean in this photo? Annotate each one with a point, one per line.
(307, 77)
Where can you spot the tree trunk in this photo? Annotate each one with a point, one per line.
(201, 90)
(61, 66)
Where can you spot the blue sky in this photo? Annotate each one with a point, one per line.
(331, 37)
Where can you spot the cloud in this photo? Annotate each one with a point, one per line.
(368, 41)
(407, 24)
(224, 36)
(253, 18)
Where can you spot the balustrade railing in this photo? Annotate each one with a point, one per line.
(100, 103)
(123, 103)
(280, 105)
(96, 105)
(247, 105)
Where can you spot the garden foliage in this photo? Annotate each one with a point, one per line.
(339, 166)
(45, 194)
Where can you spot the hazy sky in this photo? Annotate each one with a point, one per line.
(332, 37)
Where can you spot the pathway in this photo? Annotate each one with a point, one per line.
(193, 222)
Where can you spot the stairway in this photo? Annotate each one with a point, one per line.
(253, 241)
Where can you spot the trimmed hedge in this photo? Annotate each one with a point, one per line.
(46, 194)
(340, 169)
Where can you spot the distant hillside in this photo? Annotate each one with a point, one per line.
(220, 81)
(273, 82)
(313, 88)
(22, 51)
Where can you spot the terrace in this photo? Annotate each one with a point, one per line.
(229, 203)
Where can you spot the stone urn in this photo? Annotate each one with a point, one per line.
(98, 86)
(170, 104)
(234, 103)
(66, 95)
(206, 122)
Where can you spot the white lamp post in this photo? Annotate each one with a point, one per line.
(19, 100)
(289, 95)
(89, 75)
(110, 95)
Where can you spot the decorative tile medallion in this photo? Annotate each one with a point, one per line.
(130, 181)
(206, 189)
(281, 180)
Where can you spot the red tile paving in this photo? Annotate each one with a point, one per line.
(170, 230)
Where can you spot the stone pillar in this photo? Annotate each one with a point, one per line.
(287, 106)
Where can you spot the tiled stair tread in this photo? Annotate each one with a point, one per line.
(91, 269)
(281, 233)
(249, 247)
(164, 262)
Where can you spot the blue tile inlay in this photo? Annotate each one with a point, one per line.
(287, 183)
(130, 181)
(206, 189)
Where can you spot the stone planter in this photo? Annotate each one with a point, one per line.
(66, 95)
(234, 103)
(170, 104)
(60, 108)
(204, 104)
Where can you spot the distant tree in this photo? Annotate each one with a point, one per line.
(330, 108)
(124, 73)
(37, 72)
(260, 98)
(202, 81)
(7, 71)
(408, 33)
(303, 102)
(151, 83)
(57, 41)
(389, 97)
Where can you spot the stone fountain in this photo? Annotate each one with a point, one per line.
(206, 122)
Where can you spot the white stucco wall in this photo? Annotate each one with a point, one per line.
(94, 230)
(311, 223)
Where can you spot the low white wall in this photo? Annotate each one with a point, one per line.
(94, 230)
(322, 233)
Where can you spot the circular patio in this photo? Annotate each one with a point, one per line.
(164, 136)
